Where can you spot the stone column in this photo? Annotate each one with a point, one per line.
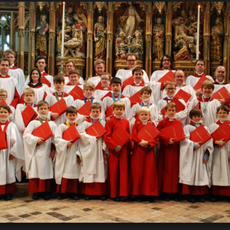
(89, 57)
(109, 44)
(206, 38)
(21, 34)
(51, 45)
(168, 31)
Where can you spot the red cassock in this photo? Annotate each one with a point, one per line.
(168, 161)
(118, 162)
(143, 170)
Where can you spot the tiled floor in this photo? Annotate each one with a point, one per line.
(24, 209)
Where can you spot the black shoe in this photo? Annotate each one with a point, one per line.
(117, 199)
(87, 197)
(167, 197)
(35, 196)
(62, 196)
(151, 199)
(123, 199)
(201, 199)
(8, 196)
(46, 196)
(213, 199)
(139, 199)
(191, 200)
(103, 197)
(74, 196)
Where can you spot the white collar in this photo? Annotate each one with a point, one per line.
(221, 83)
(199, 74)
(12, 65)
(119, 117)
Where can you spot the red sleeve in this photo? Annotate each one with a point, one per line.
(227, 100)
(162, 85)
(134, 136)
(16, 99)
(108, 135)
(45, 95)
(162, 138)
(21, 101)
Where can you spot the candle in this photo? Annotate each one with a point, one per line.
(198, 33)
(63, 22)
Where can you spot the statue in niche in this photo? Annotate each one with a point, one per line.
(158, 40)
(42, 36)
(120, 46)
(99, 38)
(68, 17)
(217, 36)
(137, 45)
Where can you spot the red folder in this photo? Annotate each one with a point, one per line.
(136, 98)
(200, 134)
(77, 93)
(128, 81)
(121, 136)
(109, 111)
(173, 131)
(99, 86)
(167, 77)
(179, 105)
(199, 83)
(222, 93)
(43, 131)
(96, 129)
(85, 109)
(109, 94)
(45, 81)
(4, 103)
(3, 142)
(148, 132)
(59, 107)
(181, 94)
(28, 114)
(71, 134)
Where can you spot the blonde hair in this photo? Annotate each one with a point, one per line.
(99, 61)
(106, 73)
(3, 91)
(170, 104)
(118, 104)
(89, 85)
(28, 90)
(9, 51)
(170, 83)
(95, 105)
(208, 83)
(144, 110)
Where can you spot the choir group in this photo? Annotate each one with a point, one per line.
(128, 137)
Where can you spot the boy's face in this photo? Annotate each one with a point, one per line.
(3, 96)
(11, 58)
(43, 110)
(138, 75)
(59, 86)
(69, 66)
(71, 116)
(170, 112)
(74, 79)
(95, 113)
(196, 118)
(116, 87)
(100, 69)
(35, 76)
(4, 67)
(145, 95)
(105, 81)
(118, 111)
(222, 115)
(4, 114)
(207, 91)
(41, 64)
(144, 116)
(170, 90)
(28, 98)
(88, 92)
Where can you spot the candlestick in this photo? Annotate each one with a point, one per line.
(198, 33)
(63, 22)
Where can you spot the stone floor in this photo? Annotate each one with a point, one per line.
(25, 209)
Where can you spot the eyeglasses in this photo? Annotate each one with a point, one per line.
(131, 60)
(105, 79)
(170, 88)
(2, 95)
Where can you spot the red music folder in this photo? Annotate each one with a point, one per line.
(173, 131)
(45, 81)
(28, 114)
(96, 129)
(121, 136)
(199, 83)
(167, 77)
(109, 94)
(3, 142)
(200, 134)
(179, 105)
(181, 94)
(77, 93)
(136, 98)
(71, 134)
(43, 131)
(59, 107)
(148, 132)
(99, 86)
(128, 81)
(222, 93)
(109, 111)
(85, 109)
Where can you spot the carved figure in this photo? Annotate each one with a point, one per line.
(137, 45)
(120, 46)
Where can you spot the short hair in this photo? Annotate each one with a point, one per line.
(144, 110)
(41, 103)
(74, 71)
(89, 84)
(9, 51)
(145, 89)
(222, 107)
(28, 90)
(4, 59)
(40, 76)
(69, 62)
(169, 83)
(107, 73)
(199, 59)
(58, 79)
(131, 54)
(137, 69)
(208, 83)
(71, 109)
(115, 80)
(99, 61)
(195, 112)
(118, 104)
(4, 91)
(170, 59)
(170, 104)
(177, 71)
(39, 58)
(6, 107)
(95, 105)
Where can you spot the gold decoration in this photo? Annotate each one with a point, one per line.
(159, 6)
(100, 6)
(218, 5)
(42, 4)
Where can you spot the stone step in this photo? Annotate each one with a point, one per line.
(21, 189)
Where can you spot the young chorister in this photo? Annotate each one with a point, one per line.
(143, 169)
(67, 167)
(119, 156)
(220, 184)
(168, 159)
(195, 159)
(11, 154)
(39, 154)
(93, 173)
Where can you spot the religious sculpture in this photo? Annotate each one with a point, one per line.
(137, 45)
(99, 38)
(217, 35)
(42, 37)
(158, 40)
(120, 46)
